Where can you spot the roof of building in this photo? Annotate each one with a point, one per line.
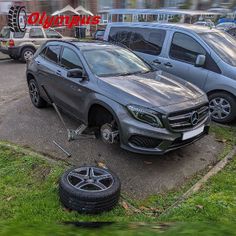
(158, 11)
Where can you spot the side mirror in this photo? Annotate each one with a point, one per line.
(200, 61)
(76, 73)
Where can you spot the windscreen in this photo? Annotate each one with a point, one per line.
(223, 44)
(114, 62)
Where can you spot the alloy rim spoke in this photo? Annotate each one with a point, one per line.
(81, 184)
(78, 176)
(101, 177)
(100, 185)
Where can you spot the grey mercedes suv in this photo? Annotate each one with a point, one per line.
(109, 87)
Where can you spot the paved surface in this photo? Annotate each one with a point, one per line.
(3, 56)
(141, 175)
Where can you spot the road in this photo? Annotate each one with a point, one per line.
(141, 175)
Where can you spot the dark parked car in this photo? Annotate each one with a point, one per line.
(232, 32)
(109, 87)
(99, 34)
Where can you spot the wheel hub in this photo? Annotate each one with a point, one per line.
(108, 134)
(28, 55)
(220, 108)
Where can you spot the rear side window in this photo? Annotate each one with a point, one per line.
(52, 53)
(52, 34)
(70, 60)
(19, 35)
(121, 35)
(147, 41)
(185, 48)
(36, 33)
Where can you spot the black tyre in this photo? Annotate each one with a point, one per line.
(27, 54)
(89, 190)
(34, 92)
(222, 107)
(13, 57)
(13, 18)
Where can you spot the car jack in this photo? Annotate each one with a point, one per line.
(78, 133)
(71, 134)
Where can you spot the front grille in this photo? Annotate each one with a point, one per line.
(182, 121)
(144, 141)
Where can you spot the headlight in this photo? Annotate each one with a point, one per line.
(145, 115)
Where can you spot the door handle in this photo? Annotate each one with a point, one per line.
(58, 72)
(38, 62)
(156, 62)
(168, 64)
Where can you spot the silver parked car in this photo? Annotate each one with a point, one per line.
(226, 26)
(23, 45)
(205, 23)
(203, 56)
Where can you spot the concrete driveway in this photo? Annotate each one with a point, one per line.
(141, 176)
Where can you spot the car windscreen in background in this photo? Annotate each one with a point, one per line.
(223, 44)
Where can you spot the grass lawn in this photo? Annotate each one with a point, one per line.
(29, 202)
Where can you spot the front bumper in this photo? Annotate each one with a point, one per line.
(142, 138)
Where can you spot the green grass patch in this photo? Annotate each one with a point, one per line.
(29, 203)
(216, 202)
(29, 192)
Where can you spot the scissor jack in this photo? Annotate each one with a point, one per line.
(71, 133)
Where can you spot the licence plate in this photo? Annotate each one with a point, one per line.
(192, 133)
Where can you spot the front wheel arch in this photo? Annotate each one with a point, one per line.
(220, 91)
(110, 110)
(101, 107)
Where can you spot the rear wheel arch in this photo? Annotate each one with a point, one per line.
(30, 77)
(27, 46)
(220, 91)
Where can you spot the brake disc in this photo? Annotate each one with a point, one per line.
(109, 135)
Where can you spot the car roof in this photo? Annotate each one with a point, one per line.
(86, 44)
(27, 27)
(93, 45)
(179, 26)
